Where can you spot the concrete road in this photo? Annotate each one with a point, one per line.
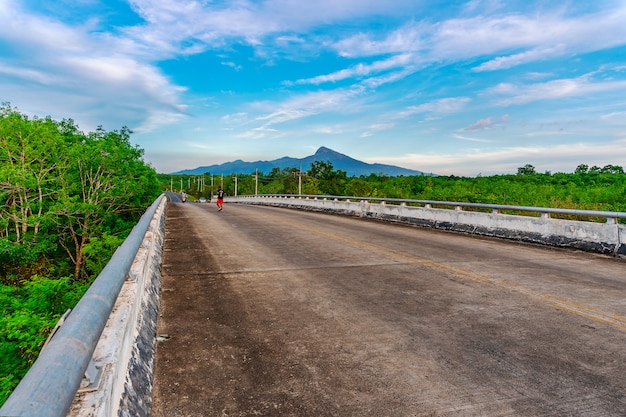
(272, 312)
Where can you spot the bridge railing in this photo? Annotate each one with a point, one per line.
(610, 216)
(49, 387)
(567, 228)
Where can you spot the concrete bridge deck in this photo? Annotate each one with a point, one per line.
(272, 312)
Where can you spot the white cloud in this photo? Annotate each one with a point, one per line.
(38, 32)
(89, 73)
(304, 105)
(407, 39)
(537, 54)
(468, 139)
(233, 65)
(571, 87)
(507, 160)
(262, 132)
(487, 123)
(360, 70)
(377, 127)
(382, 126)
(539, 36)
(520, 38)
(444, 105)
(29, 74)
(236, 118)
(282, 116)
(614, 115)
(171, 24)
(292, 109)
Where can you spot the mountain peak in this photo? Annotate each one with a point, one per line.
(339, 161)
(324, 150)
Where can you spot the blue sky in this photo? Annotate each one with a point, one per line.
(464, 88)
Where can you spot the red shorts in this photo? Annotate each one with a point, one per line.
(220, 201)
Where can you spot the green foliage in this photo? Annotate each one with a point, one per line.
(601, 189)
(526, 170)
(359, 187)
(331, 181)
(595, 188)
(60, 188)
(99, 250)
(29, 313)
(67, 200)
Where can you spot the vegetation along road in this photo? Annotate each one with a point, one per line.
(268, 311)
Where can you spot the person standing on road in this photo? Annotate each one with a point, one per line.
(220, 198)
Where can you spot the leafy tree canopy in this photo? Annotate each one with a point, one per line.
(68, 199)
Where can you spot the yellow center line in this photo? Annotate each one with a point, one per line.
(545, 298)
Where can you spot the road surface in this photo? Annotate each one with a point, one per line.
(274, 312)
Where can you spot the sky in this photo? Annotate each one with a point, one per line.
(466, 88)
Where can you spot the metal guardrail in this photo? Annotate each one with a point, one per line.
(611, 216)
(49, 387)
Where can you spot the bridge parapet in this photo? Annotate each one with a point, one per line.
(605, 238)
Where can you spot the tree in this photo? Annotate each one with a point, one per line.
(582, 169)
(32, 161)
(272, 183)
(330, 181)
(527, 169)
(67, 201)
(311, 186)
(359, 187)
(107, 182)
(321, 169)
(60, 187)
(612, 169)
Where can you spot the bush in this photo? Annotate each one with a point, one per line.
(29, 313)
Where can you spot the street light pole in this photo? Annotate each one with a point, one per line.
(256, 182)
(300, 174)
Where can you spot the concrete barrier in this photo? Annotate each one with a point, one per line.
(125, 352)
(605, 238)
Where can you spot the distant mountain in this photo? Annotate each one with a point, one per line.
(352, 167)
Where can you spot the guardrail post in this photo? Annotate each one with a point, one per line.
(91, 381)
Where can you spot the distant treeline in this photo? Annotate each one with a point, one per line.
(68, 199)
(587, 188)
